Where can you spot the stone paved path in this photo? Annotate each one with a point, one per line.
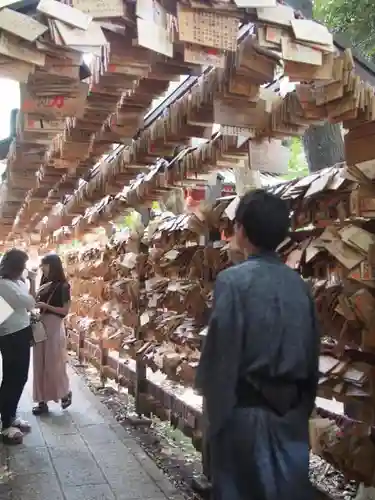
(80, 454)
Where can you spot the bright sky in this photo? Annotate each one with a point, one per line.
(9, 99)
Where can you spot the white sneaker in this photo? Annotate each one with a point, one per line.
(12, 435)
(22, 425)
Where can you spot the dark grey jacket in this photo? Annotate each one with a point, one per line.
(263, 324)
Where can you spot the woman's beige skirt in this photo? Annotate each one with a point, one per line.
(50, 378)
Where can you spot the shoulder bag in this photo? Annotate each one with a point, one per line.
(38, 327)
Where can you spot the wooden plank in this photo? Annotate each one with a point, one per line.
(14, 48)
(6, 3)
(92, 37)
(21, 25)
(254, 4)
(65, 13)
(310, 31)
(99, 9)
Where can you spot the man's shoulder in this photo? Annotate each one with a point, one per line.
(233, 273)
(6, 284)
(257, 270)
(10, 288)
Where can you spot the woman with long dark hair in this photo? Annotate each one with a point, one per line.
(51, 381)
(15, 341)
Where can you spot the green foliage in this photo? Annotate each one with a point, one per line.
(353, 18)
(131, 220)
(73, 245)
(297, 161)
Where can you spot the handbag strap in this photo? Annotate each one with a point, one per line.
(50, 296)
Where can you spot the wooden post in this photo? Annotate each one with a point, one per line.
(81, 347)
(103, 363)
(141, 369)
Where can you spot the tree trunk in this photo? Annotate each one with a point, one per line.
(173, 201)
(324, 146)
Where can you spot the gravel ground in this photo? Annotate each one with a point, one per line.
(330, 480)
(174, 453)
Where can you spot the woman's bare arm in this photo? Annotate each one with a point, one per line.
(32, 281)
(56, 310)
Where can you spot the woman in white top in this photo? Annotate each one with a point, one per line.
(15, 342)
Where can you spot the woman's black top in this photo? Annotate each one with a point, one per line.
(56, 295)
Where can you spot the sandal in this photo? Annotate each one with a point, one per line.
(12, 435)
(22, 425)
(40, 409)
(66, 401)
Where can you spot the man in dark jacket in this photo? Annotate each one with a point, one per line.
(259, 366)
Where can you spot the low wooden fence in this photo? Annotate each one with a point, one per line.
(151, 395)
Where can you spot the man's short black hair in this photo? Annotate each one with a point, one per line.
(264, 218)
(13, 263)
